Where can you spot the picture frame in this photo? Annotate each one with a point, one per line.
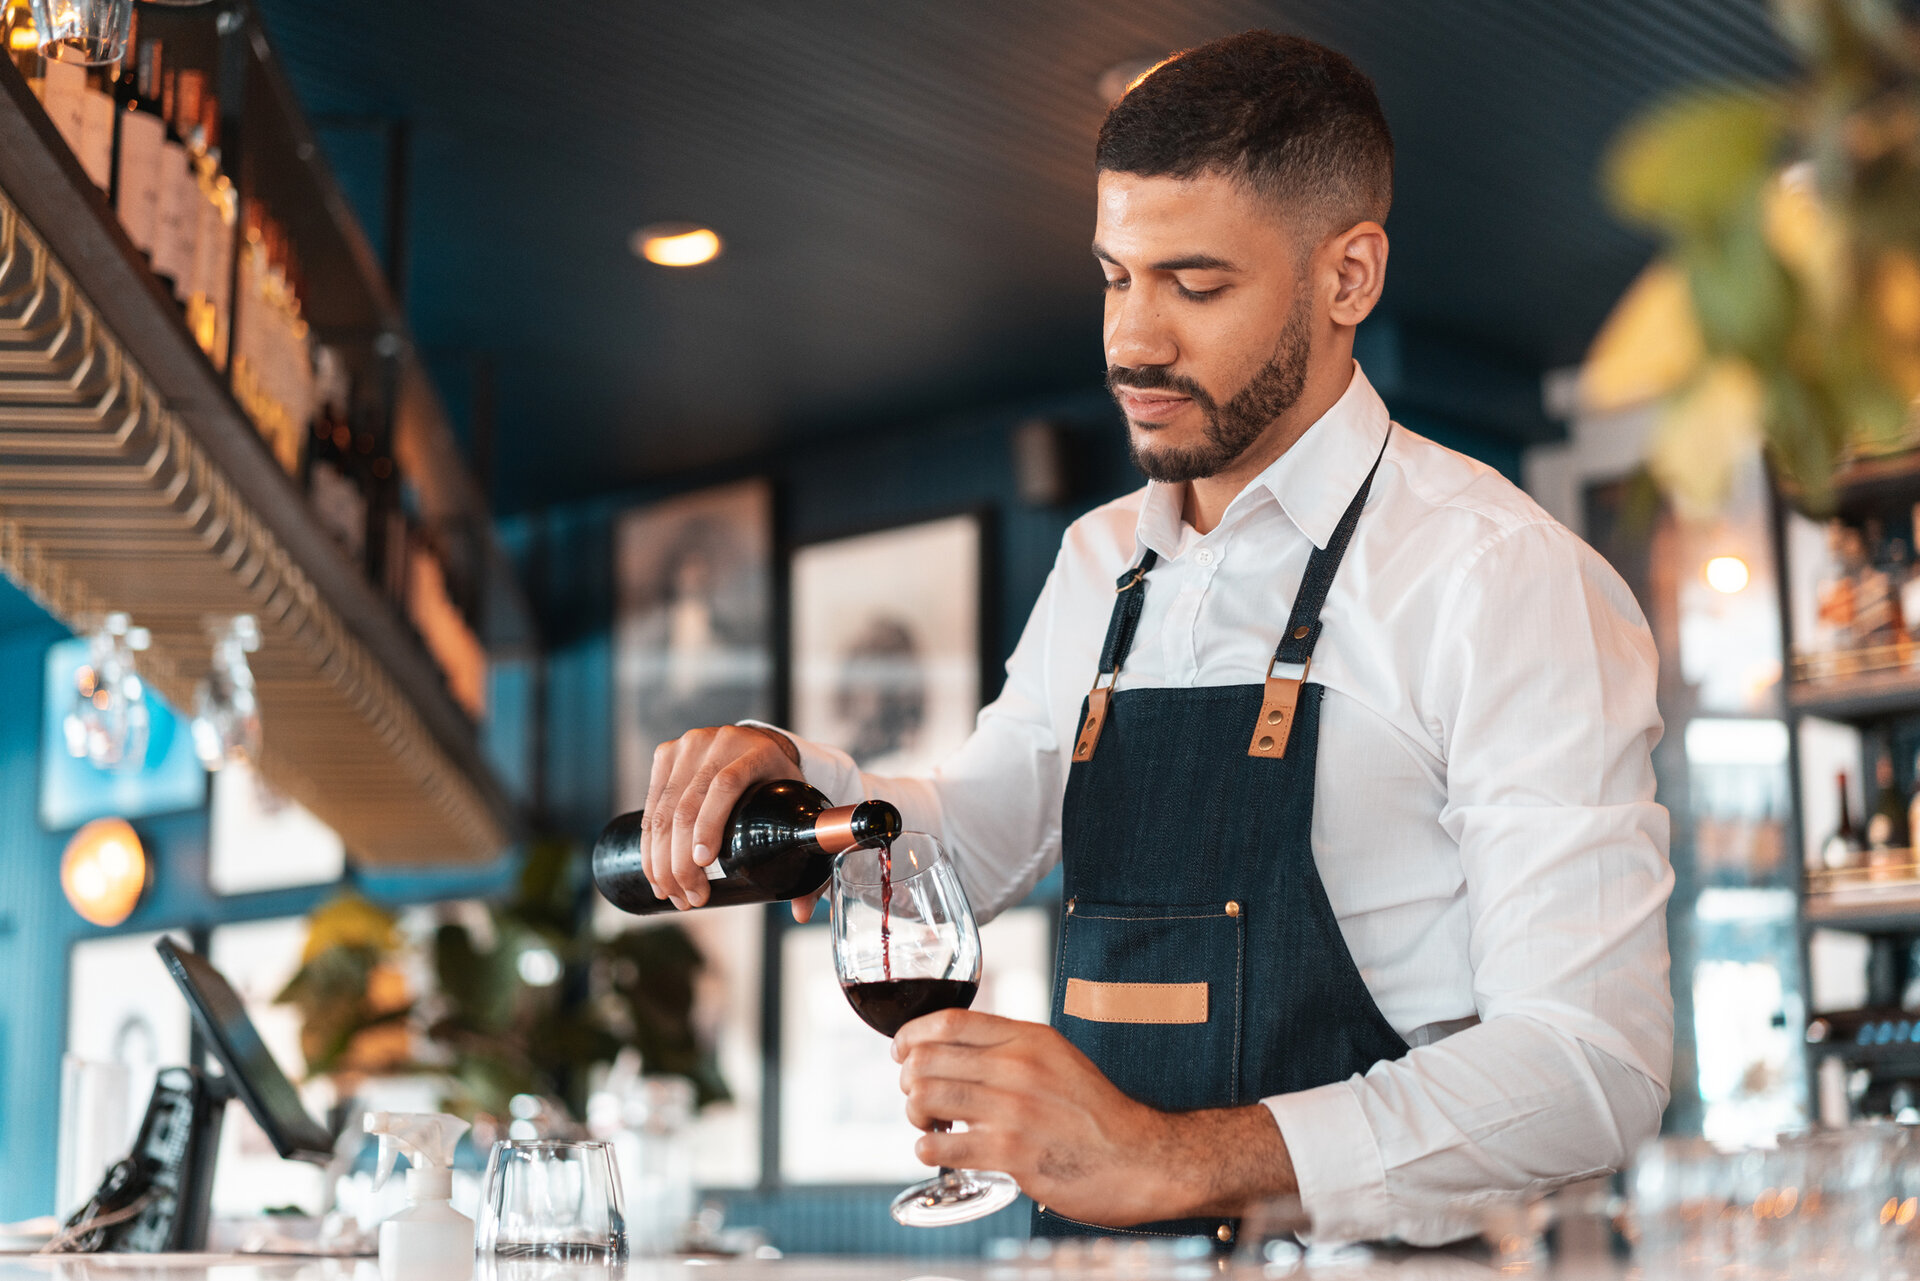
(693, 622)
(887, 640)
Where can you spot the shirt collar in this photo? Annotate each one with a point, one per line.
(1313, 481)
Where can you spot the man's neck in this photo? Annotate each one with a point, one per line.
(1208, 497)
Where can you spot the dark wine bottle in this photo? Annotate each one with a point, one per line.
(779, 844)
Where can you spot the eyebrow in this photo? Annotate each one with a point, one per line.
(1191, 262)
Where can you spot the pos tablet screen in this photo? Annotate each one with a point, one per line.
(250, 1068)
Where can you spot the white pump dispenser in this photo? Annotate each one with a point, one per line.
(429, 1239)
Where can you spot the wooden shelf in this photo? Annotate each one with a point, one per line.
(130, 479)
(1869, 907)
(1867, 696)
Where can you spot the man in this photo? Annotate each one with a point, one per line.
(1375, 917)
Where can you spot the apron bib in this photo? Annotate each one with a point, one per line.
(1201, 965)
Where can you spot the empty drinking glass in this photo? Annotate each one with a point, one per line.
(551, 1201)
(92, 32)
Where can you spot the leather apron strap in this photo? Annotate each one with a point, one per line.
(1291, 661)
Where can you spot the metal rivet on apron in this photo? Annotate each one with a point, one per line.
(1070, 903)
(1300, 633)
(1233, 908)
(1224, 1232)
(1273, 717)
(1266, 744)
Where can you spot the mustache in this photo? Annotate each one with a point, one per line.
(1156, 378)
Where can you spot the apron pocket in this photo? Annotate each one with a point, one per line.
(1153, 995)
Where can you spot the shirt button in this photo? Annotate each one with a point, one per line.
(1206, 556)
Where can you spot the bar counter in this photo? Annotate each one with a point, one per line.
(1397, 1265)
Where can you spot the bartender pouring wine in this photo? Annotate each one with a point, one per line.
(1343, 743)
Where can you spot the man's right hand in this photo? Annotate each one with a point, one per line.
(697, 779)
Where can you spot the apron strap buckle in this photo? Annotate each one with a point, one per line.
(1271, 731)
(1096, 716)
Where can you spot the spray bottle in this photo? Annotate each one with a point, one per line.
(429, 1238)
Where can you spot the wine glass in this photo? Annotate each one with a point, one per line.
(904, 945)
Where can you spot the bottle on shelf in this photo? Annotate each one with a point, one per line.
(335, 487)
(1845, 848)
(1887, 841)
(209, 293)
(273, 361)
(176, 227)
(94, 140)
(23, 45)
(780, 843)
(143, 132)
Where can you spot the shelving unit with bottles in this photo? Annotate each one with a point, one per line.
(1851, 601)
(210, 403)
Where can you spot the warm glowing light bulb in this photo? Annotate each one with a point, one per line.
(677, 246)
(104, 871)
(1727, 574)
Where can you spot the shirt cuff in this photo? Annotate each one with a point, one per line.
(1336, 1160)
(827, 769)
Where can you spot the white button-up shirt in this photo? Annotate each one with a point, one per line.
(1483, 815)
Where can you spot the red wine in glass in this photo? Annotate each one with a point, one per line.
(904, 946)
(891, 1004)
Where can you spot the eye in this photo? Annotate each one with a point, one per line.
(1197, 295)
(1113, 282)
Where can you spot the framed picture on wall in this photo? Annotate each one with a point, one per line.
(693, 622)
(886, 642)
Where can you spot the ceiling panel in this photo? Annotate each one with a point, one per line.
(905, 187)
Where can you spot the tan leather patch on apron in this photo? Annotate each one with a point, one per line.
(1136, 1002)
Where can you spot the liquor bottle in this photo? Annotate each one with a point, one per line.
(1887, 825)
(94, 149)
(23, 44)
(1844, 848)
(780, 843)
(143, 131)
(177, 210)
(208, 294)
(336, 487)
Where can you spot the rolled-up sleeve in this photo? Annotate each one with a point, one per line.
(1540, 688)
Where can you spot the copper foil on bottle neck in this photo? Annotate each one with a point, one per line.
(833, 830)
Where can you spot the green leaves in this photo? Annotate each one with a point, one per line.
(1793, 271)
(1695, 162)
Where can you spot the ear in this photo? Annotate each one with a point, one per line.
(1354, 263)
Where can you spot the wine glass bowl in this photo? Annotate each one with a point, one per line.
(905, 945)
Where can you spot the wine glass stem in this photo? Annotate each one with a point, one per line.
(949, 1177)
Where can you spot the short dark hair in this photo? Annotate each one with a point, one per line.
(1296, 121)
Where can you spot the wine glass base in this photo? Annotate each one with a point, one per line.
(954, 1196)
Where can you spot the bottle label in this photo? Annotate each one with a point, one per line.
(176, 219)
(715, 872)
(96, 137)
(141, 137)
(66, 86)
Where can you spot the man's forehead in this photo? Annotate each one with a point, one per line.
(1207, 215)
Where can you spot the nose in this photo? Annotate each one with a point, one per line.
(1135, 333)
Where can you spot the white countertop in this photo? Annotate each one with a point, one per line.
(1400, 1266)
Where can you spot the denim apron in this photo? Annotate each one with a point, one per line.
(1200, 964)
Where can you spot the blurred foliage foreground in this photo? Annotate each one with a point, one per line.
(504, 999)
(1783, 310)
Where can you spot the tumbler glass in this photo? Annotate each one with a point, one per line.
(551, 1201)
(92, 32)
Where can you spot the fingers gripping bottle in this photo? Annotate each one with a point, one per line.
(428, 1239)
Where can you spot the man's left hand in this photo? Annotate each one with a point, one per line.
(1038, 1109)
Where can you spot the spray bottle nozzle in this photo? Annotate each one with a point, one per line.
(428, 1138)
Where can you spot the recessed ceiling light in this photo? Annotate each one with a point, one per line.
(677, 244)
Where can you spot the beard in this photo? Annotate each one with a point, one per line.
(1232, 428)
